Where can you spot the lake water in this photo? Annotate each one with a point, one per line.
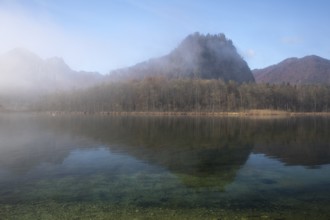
(94, 167)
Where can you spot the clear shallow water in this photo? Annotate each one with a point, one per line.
(176, 163)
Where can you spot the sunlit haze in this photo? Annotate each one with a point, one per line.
(105, 35)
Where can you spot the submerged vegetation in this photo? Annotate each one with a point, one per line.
(159, 94)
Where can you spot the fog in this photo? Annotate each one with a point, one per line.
(101, 48)
(198, 55)
(45, 38)
(25, 78)
(107, 35)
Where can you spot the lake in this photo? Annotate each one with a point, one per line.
(126, 167)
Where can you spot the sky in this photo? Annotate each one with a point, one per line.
(103, 35)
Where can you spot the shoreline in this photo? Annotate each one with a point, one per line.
(248, 113)
(254, 113)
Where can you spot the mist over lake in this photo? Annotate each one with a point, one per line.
(164, 110)
(277, 166)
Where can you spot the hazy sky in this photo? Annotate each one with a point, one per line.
(98, 35)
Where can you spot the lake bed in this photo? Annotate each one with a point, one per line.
(128, 167)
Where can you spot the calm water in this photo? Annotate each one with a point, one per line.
(278, 165)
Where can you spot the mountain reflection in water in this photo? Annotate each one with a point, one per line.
(165, 140)
(155, 160)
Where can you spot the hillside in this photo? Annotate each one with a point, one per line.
(24, 72)
(197, 56)
(306, 70)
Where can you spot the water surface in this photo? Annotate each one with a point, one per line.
(277, 168)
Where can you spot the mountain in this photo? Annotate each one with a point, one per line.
(307, 70)
(22, 71)
(197, 56)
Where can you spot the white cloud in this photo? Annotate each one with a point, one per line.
(250, 53)
(291, 40)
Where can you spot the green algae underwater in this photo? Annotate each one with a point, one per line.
(134, 167)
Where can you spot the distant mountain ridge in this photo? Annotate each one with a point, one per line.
(307, 70)
(24, 71)
(197, 56)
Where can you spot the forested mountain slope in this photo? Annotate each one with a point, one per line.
(197, 56)
(307, 70)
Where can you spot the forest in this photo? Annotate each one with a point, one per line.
(160, 94)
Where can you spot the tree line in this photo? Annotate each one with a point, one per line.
(158, 94)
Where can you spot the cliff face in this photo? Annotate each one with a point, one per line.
(197, 56)
(306, 70)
